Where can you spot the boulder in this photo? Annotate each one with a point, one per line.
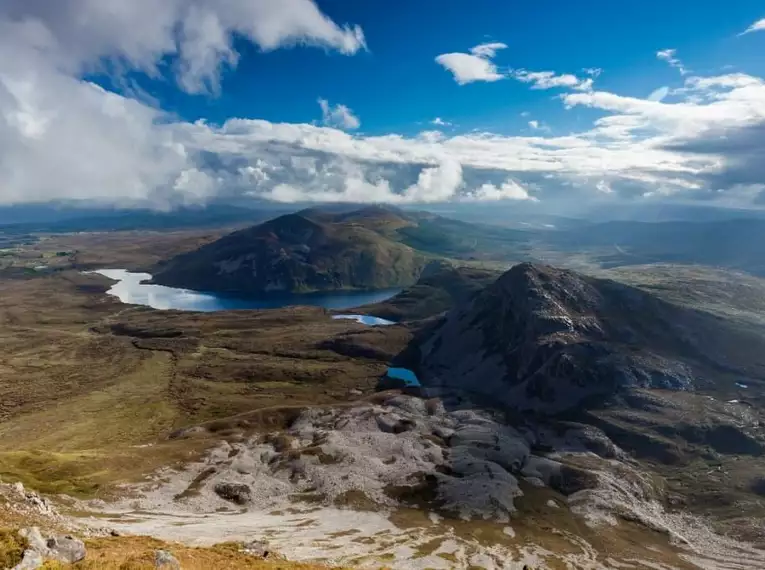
(32, 560)
(258, 548)
(163, 559)
(238, 493)
(66, 549)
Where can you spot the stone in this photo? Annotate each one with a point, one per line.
(163, 559)
(238, 493)
(32, 560)
(66, 549)
(258, 548)
(355, 392)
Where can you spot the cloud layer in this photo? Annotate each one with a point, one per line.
(62, 137)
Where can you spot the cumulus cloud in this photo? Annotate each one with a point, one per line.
(509, 190)
(439, 122)
(551, 80)
(64, 137)
(758, 26)
(474, 66)
(338, 116)
(670, 56)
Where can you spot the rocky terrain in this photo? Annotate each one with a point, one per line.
(564, 421)
(548, 340)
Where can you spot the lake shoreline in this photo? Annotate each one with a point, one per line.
(136, 288)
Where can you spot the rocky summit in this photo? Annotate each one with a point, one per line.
(547, 340)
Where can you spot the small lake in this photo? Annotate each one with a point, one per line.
(366, 320)
(131, 289)
(404, 374)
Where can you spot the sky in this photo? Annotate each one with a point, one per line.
(183, 102)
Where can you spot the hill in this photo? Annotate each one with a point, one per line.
(300, 252)
(321, 250)
(550, 340)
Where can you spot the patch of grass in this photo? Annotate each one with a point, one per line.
(137, 553)
(12, 548)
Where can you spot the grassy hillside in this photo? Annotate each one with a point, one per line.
(86, 382)
(298, 254)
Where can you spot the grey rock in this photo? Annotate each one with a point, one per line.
(534, 481)
(258, 548)
(31, 561)
(238, 493)
(66, 549)
(163, 559)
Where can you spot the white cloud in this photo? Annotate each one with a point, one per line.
(670, 56)
(534, 124)
(487, 50)
(551, 80)
(659, 94)
(758, 26)
(439, 122)
(474, 66)
(593, 71)
(508, 190)
(65, 138)
(77, 34)
(338, 116)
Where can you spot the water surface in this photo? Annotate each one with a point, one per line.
(366, 320)
(403, 374)
(130, 288)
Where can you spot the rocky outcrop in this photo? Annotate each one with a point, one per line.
(546, 340)
(401, 451)
(64, 549)
(166, 561)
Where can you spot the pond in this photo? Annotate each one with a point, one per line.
(404, 374)
(131, 288)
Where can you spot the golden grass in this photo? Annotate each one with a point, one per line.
(137, 553)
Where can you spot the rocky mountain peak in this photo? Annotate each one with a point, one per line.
(548, 339)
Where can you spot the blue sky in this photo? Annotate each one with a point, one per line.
(396, 86)
(187, 101)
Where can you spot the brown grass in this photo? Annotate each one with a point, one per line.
(90, 389)
(137, 553)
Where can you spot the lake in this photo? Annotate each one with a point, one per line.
(131, 289)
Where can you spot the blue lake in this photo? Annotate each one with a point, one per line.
(131, 289)
(403, 374)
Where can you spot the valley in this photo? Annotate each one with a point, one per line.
(618, 425)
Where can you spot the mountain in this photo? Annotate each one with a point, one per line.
(552, 340)
(302, 252)
(322, 249)
(440, 287)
